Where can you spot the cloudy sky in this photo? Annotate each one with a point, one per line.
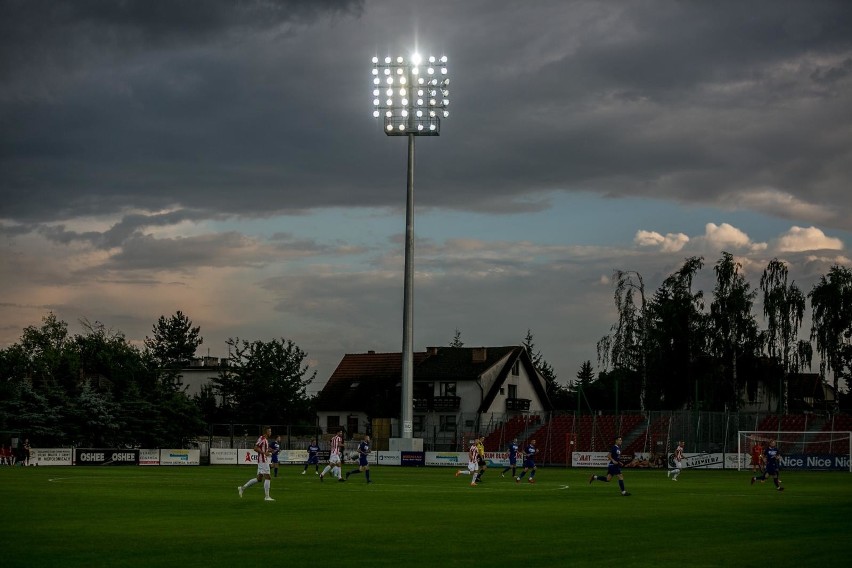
(221, 158)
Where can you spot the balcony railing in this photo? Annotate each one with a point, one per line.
(437, 403)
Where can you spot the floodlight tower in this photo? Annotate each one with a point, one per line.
(411, 95)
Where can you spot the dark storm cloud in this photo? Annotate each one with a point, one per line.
(258, 108)
(119, 233)
(111, 104)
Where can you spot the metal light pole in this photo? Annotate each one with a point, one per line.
(412, 96)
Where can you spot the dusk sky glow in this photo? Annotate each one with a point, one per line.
(221, 158)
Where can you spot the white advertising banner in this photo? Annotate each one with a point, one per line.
(704, 461)
(737, 461)
(180, 457)
(590, 459)
(453, 459)
(293, 456)
(385, 458)
(51, 456)
(224, 456)
(246, 456)
(149, 457)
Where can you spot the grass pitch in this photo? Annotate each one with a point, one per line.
(193, 516)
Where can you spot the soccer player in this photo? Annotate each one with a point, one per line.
(480, 451)
(513, 452)
(678, 461)
(363, 465)
(334, 459)
(757, 458)
(472, 463)
(261, 447)
(773, 465)
(529, 462)
(613, 468)
(275, 449)
(313, 457)
(25, 452)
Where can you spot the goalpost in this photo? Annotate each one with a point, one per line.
(812, 447)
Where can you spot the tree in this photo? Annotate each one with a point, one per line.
(265, 382)
(831, 302)
(92, 388)
(45, 351)
(585, 375)
(734, 330)
(626, 347)
(676, 336)
(557, 393)
(783, 308)
(175, 341)
(457, 342)
(95, 417)
(37, 374)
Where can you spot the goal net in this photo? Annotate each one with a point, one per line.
(799, 450)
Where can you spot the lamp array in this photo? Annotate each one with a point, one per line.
(411, 96)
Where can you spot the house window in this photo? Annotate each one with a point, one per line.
(516, 368)
(448, 423)
(419, 422)
(424, 390)
(513, 391)
(332, 423)
(448, 389)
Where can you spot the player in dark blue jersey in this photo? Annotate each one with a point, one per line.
(513, 452)
(275, 448)
(529, 462)
(773, 465)
(363, 452)
(613, 468)
(313, 457)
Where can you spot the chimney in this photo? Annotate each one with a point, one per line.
(480, 354)
(431, 350)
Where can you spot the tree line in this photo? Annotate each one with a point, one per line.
(669, 350)
(95, 389)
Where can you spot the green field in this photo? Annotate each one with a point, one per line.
(193, 516)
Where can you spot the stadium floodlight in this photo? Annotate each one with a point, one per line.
(410, 95)
(395, 79)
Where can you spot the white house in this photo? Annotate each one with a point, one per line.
(456, 390)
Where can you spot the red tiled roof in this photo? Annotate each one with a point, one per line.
(371, 382)
(362, 376)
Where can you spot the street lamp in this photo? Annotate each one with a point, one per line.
(411, 97)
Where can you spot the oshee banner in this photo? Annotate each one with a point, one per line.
(88, 456)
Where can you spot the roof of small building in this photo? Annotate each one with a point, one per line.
(374, 378)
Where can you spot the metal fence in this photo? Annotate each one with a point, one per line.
(558, 434)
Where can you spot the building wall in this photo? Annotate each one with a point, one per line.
(344, 418)
(196, 377)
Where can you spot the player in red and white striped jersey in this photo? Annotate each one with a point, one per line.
(334, 458)
(261, 447)
(472, 463)
(678, 462)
